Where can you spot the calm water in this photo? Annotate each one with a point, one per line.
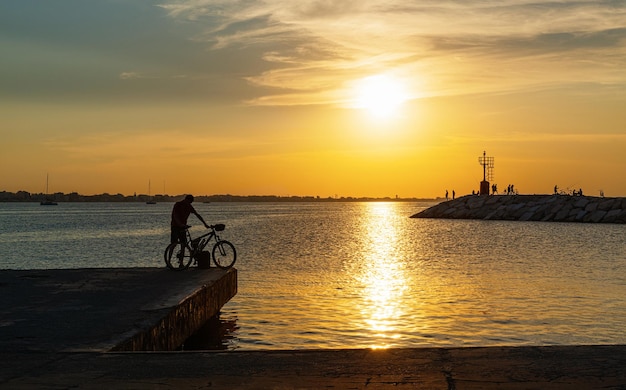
(351, 275)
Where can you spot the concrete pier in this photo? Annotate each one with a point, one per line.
(123, 309)
(64, 329)
(540, 368)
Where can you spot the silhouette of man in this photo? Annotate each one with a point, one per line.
(446, 194)
(181, 211)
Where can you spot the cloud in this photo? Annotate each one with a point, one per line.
(280, 52)
(130, 75)
(313, 46)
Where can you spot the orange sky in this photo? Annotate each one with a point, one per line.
(368, 98)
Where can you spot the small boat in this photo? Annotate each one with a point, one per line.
(47, 202)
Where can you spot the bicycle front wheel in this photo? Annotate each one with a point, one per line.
(224, 254)
(177, 257)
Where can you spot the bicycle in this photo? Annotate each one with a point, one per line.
(178, 256)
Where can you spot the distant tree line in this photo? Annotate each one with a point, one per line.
(24, 196)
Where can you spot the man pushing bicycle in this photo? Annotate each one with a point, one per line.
(180, 213)
(179, 254)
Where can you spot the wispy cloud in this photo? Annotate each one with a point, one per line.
(452, 47)
(130, 75)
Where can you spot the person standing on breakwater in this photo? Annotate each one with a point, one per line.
(180, 213)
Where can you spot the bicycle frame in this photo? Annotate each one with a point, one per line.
(196, 245)
(223, 254)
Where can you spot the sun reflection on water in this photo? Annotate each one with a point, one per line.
(382, 275)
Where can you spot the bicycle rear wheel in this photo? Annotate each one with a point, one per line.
(224, 254)
(177, 257)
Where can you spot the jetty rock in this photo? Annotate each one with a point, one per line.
(545, 208)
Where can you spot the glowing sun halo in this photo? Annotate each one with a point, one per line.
(380, 95)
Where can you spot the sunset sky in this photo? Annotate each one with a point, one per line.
(312, 97)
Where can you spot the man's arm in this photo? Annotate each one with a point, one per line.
(200, 218)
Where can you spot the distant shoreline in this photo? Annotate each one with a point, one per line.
(25, 197)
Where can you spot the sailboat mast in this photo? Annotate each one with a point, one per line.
(150, 197)
(47, 201)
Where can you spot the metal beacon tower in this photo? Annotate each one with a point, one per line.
(487, 163)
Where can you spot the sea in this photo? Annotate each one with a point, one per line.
(331, 275)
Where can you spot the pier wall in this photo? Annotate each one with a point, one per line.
(185, 318)
(546, 208)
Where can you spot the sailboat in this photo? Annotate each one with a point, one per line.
(151, 201)
(47, 202)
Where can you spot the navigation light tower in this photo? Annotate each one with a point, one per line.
(488, 165)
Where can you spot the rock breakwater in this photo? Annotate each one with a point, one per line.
(547, 208)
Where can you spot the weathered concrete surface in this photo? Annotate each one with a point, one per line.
(101, 309)
(552, 208)
(546, 368)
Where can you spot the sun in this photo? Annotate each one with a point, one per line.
(381, 95)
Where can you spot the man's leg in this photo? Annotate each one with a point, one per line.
(173, 235)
